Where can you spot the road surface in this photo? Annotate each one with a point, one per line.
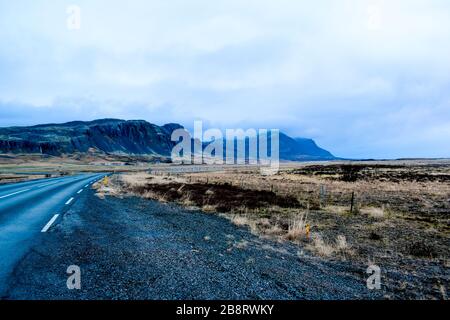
(133, 248)
(28, 209)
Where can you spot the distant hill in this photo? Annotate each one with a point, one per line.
(302, 149)
(121, 137)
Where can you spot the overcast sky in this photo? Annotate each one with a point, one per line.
(364, 78)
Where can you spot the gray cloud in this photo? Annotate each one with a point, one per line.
(362, 85)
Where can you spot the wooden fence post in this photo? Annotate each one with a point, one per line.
(353, 202)
(323, 193)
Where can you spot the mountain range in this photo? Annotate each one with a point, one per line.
(122, 137)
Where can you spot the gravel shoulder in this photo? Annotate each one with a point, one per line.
(133, 248)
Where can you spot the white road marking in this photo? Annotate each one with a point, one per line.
(86, 185)
(69, 201)
(48, 184)
(49, 224)
(12, 194)
(80, 191)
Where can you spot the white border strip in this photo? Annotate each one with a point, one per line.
(49, 224)
(12, 194)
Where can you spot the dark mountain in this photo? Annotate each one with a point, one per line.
(113, 136)
(301, 149)
(106, 135)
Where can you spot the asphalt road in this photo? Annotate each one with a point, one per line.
(28, 209)
(133, 248)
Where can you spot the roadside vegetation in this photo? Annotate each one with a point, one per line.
(301, 204)
(390, 215)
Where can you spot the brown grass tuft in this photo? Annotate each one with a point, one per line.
(297, 228)
(341, 246)
(374, 212)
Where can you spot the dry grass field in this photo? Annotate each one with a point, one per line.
(399, 215)
(23, 167)
(395, 214)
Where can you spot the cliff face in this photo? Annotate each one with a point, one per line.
(108, 135)
(136, 137)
